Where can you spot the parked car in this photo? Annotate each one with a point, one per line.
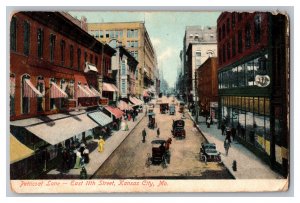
(209, 153)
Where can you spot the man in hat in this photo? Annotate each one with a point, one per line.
(144, 135)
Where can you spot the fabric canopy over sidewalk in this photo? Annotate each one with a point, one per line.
(56, 131)
(18, 151)
(124, 106)
(82, 92)
(135, 101)
(57, 92)
(108, 87)
(100, 118)
(115, 111)
(30, 90)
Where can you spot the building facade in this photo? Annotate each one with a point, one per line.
(207, 87)
(254, 82)
(55, 68)
(133, 36)
(199, 43)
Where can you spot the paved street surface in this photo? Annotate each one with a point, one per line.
(128, 160)
(248, 165)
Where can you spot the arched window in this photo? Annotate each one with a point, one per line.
(41, 89)
(25, 99)
(210, 53)
(52, 100)
(12, 94)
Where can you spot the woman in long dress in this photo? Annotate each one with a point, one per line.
(78, 158)
(101, 143)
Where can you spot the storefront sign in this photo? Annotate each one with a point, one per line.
(262, 80)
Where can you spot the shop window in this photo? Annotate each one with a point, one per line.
(261, 105)
(52, 47)
(234, 72)
(40, 42)
(257, 28)
(249, 73)
(13, 34)
(12, 87)
(71, 56)
(25, 100)
(41, 89)
(267, 106)
(26, 38)
(248, 35)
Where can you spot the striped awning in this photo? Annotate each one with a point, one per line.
(56, 92)
(115, 111)
(124, 106)
(82, 92)
(97, 94)
(134, 101)
(108, 87)
(100, 118)
(88, 89)
(30, 90)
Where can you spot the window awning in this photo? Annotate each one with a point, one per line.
(108, 87)
(100, 118)
(82, 92)
(60, 130)
(124, 106)
(18, 151)
(90, 67)
(134, 101)
(88, 89)
(115, 111)
(57, 92)
(97, 94)
(30, 90)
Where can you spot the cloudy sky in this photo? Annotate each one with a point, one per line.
(166, 31)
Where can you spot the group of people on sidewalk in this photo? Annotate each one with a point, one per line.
(228, 132)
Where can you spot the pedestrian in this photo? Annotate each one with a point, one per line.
(157, 132)
(226, 146)
(133, 117)
(144, 134)
(101, 143)
(86, 155)
(126, 126)
(208, 122)
(228, 134)
(223, 128)
(78, 158)
(243, 131)
(233, 133)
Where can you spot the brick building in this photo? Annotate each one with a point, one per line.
(55, 68)
(253, 82)
(207, 87)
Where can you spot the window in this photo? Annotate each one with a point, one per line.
(52, 47)
(227, 25)
(26, 38)
(233, 46)
(25, 100)
(52, 100)
(219, 34)
(71, 56)
(198, 58)
(224, 53)
(41, 89)
(240, 17)
(96, 33)
(40, 41)
(240, 41)
(249, 73)
(12, 87)
(13, 34)
(228, 50)
(101, 34)
(78, 58)
(223, 31)
(70, 89)
(257, 28)
(91, 58)
(233, 17)
(85, 56)
(96, 61)
(132, 33)
(123, 86)
(248, 35)
(107, 34)
(62, 52)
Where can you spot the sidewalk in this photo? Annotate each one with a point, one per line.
(97, 158)
(248, 165)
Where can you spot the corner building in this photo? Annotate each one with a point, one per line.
(253, 82)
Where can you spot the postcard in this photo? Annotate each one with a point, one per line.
(149, 101)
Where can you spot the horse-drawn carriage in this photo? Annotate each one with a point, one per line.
(181, 107)
(178, 130)
(209, 153)
(160, 153)
(151, 120)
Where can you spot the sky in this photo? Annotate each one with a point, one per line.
(166, 31)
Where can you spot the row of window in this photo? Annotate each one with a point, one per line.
(113, 33)
(242, 75)
(132, 44)
(40, 39)
(243, 38)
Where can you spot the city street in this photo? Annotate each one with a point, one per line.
(128, 160)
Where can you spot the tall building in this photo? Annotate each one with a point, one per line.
(55, 68)
(254, 82)
(200, 43)
(133, 36)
